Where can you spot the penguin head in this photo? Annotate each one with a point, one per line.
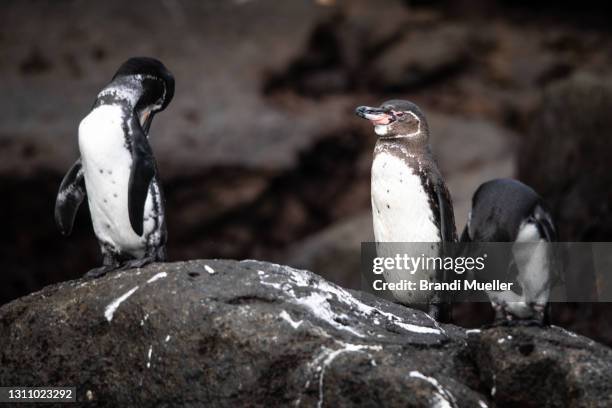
(501, 206)
(396, 119)
(157, 85)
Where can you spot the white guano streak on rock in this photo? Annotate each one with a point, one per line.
(210, 270)
(109, 311)
(274, 285)
(327, 356)
(149, 356)
(565, 331)
(160, 275)
(435, 323)
(444, 399)
(348, 299)
(330, 356)
(285, 316)
(112, 307)
(319, 305)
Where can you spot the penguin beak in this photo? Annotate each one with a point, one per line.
(146, 118)
(375, 115)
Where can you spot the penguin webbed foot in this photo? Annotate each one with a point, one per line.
(530, 323)
(502, 323)
(137, 263)
(515, 323)
(100, 271)
(131, 264)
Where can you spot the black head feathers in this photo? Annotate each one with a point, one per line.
(150, 69)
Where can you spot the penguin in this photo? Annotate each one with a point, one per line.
(506, 210)
(410, 201)
(116, 170)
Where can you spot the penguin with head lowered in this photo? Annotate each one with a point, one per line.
(410, 201)
(117, 171)
(506, 210)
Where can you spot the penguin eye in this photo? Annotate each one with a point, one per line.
(400, 115)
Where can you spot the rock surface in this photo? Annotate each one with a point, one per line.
(227, 333)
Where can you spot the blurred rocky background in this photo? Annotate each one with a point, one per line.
(260, 153)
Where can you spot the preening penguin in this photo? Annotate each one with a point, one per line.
(117, 170)
(410, 201)
(506, 210)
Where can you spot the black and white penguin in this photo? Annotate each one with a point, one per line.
(506, 210)
(410, 201)
(117, 170)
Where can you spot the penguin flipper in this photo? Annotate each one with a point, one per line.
(465, 235)
(545, 224)
(448, 230)
(547, 229)
(141, 174)
(69, 197)
(448, 235)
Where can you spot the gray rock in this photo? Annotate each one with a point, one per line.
(531, 367)
(227, 333)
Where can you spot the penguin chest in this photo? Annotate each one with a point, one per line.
(532, 256)
(400, 205)
(107, 165)
(402, 213)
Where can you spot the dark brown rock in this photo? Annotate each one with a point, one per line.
(219, 51)
(566, 157)
(422, 58)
